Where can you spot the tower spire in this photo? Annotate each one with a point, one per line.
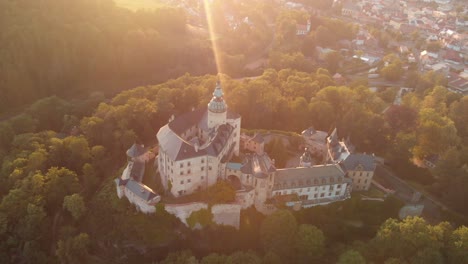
(217, 103)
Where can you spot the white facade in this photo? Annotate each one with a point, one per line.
(195, 147)
(316, 185)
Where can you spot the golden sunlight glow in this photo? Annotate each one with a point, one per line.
(212, 32)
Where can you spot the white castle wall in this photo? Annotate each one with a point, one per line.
(223, 214)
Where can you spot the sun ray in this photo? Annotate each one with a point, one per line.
(212, 33)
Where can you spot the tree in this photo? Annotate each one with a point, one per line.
(459, 114)
(411, 239)
(73, 249)
(435, 134)
(271, 258)
(351, 257)
(393, 71)
(458, 245)
(220, 192)
(60, 183)
(240, 257)
(401, 118)
(277, 233)
(180, 257)
(309, 244)
(214, 258)
(75, 205)
(333, 60)
(203, 217)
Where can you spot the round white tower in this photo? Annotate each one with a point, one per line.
(217, 108)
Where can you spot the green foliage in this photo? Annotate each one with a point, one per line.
(411, 239)
(203, 217)
(277, 233)
(351, 257)
(73, 249)
(309, 244)
(248, 257)
(126, 46)
(214, 258)
(181, 257)
(75, 205)
(221, 192)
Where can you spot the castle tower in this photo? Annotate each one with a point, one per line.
(217, 108)
(306, 159)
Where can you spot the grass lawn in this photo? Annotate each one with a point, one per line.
(138, 4)
(373, 192)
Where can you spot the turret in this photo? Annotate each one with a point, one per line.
(217, 108)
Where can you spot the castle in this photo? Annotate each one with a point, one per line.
(195, 150)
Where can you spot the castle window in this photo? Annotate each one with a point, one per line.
(172, 163)
(181, 173)
(172, 171)
(202, 168)
(202, 160)
(189, 180)
(337, 193)
(202, 177)
(188, 172)
(338, 186)
(315, 195)
(209, 168)
(181, 165)
(322, 195)
(182, 182)
(188, 163)
(331, 187)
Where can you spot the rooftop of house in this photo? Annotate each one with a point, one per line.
(179, 149)
(258, 165)
(139, 189)
(309, 176)
(360, 161)
(136, 150)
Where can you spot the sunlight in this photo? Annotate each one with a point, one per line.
(211, 30)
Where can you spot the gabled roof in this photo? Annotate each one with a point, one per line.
(178, 149)
(309, 176)
(140, 190)
(258, 165)
(181, 123)
(136, 150)
(354, 160)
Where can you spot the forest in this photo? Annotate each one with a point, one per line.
(70, 48)
(60, 158)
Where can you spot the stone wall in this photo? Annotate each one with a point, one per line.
(223, 214)
(183, 211)
(226, 214)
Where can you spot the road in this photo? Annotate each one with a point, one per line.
(404, 192)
